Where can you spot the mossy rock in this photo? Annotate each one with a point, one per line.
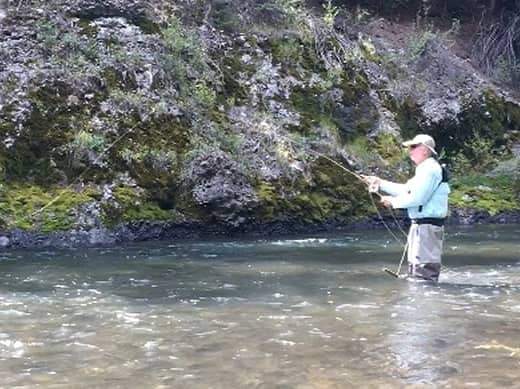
(232, 67)
(331, 194)
(353, 115)
(153, 153)
(130, 204)
(490, 118)
(307, 102)
(36, 153)
(34, 208)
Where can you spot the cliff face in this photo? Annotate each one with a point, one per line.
(220, 112)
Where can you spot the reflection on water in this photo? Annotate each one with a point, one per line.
(292, 313)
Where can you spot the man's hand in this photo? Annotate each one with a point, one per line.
(372, 180)
(385, 200)
(373, 183)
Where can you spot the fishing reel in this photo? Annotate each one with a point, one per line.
(373, 188)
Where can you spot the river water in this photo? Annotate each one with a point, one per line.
(308, 312)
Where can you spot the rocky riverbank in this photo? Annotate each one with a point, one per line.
(167, 231)
(123, 121)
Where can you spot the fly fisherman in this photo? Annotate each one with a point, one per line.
(425, 196)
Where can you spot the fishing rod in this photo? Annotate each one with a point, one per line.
(372, 189)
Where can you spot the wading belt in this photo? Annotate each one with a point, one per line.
(436, 221)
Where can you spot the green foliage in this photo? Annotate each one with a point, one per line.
(492, 194)
(330, 78)
(396, 62)
(126, 58)
(289, 51)
(508, 168)
(190, 68)
(204, 97)
(389, 148)
(291, 15)
(361, 148)
(292, 9)
(86, 141)
(227, 15)
(478, 155)
(155, 159)
(419, 42)
(483, 135)
(185, 58)
(38, 152)
(67, 46)
(369, 50)
(339, 97)
(47, 33)
(330, 12)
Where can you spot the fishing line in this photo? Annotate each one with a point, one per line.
(316, 153)
(360, 178)
(57, 197)
(371, 191)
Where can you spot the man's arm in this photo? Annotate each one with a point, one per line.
(419, 190)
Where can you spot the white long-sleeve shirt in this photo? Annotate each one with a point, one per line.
(424, 195)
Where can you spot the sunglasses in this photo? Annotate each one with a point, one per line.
(414, 146)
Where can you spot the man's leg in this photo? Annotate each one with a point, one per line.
(425, 271)
(424, 251)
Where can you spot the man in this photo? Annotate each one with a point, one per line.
(425, 196)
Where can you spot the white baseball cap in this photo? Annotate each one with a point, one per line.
(422, 139)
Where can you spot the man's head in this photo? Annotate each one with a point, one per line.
(421, 147)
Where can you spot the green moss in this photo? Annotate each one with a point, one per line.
(116, 80)
(225, 17)
(389, 148)
(147, 211)
(482, 134)
(369, 50)
(331, 194)
(32, 207)
(46, 130)
(153, 154)
(287, 51)
(354, 114)
(88, 28)
(41, 152)
(491, 194)
(307, 102)
(232, 67)
(130, 204)
(147, 26)
(407, 115)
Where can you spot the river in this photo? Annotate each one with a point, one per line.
(304, 312)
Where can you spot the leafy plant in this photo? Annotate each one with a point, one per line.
(85, 140)
(47, 33)
(419, 42)
(185, 57)
(478, 155)
(330, 13)
(204, 96)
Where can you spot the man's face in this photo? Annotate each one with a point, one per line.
(418, 153)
